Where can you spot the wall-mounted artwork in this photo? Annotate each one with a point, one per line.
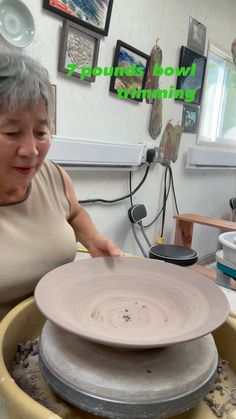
(192, 82)
(190, 119)
(93, 14)
(130, 71)
(196, 36)
(54, 122)
(79, 48)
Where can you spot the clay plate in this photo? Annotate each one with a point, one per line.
(138, 303)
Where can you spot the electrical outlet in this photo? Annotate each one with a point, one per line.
(146, 153)
(155, 160)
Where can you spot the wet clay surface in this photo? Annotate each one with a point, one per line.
(221, 400)
(27, 376)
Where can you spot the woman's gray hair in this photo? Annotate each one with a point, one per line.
(23, 81)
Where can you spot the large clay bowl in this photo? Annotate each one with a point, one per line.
(136, 303)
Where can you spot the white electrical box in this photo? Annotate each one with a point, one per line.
(211, 159)
(90, 153)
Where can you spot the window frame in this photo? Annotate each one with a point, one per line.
(218, 141)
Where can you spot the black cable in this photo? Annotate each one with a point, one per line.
(130, 188)
(139, 223)
(159, 213)
(173, 190)
(112, 201)
(165, 197)
(164, 203)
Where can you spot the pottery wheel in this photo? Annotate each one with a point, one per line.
(152, 383)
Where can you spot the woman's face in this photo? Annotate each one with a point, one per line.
(24, 143)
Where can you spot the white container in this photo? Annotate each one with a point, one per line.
(228, 240)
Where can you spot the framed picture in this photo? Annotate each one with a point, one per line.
(78, 49)
(92, 14)
(130, 71)
(196, 36)
(54, 122)
(190, 118)
(191, 82)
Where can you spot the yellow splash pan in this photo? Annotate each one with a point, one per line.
(25, 323)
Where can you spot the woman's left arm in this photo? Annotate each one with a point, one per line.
(83, 226)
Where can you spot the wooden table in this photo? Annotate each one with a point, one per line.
(185, 223)
(184, 234)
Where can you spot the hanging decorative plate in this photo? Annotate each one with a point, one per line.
(16, 23)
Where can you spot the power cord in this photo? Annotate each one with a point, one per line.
(164, 202)
(171, 184)
(138, 212)
(159, 213)
(112, 201)
(130, 188)
(173, 190)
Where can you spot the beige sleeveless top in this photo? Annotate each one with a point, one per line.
(35, 236)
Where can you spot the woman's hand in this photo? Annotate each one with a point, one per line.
(99, 245)
(85, 231)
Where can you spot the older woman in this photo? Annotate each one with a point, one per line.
(40, 217)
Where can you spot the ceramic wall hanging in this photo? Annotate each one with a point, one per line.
(153, 81)
(16, 23)
(155, 124)
(167, 145)
(177, 138)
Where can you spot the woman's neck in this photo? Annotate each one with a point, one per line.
(14, 195)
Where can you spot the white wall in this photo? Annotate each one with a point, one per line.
(90, 111)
